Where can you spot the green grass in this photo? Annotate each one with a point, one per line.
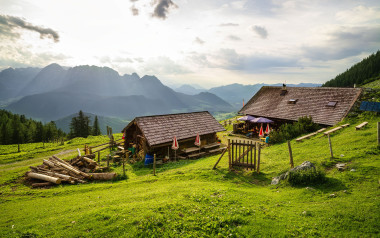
(189, 199)
(374, 84)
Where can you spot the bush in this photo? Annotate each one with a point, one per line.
(306, 177)
(290, 131)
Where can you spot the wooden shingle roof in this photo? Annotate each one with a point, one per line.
(162, 128)
(299, 101)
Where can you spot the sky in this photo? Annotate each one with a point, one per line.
(208, 43)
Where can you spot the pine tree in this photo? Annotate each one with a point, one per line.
(80, 126)
(96, 128)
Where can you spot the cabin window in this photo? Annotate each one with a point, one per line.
(292, 101)
(331, 104)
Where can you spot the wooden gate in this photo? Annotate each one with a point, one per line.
(243, 154)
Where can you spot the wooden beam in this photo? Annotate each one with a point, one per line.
(217, 162)
(290, 155)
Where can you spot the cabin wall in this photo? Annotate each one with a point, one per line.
(166, 149)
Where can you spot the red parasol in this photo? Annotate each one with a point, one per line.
(198, 140)
(261, 134)
(175, 145)
(267, 130)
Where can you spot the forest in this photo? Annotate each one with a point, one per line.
(17, 129)
(364, 72)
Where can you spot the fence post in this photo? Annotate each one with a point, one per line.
(124, 164)
(331, 151)
(254, 157)
(290, 155)
(154, 165)
(229, 154)
(108, 161)
(378, 133)
(258, 158)
(98, 156)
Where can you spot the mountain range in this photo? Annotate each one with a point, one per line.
(55, 92)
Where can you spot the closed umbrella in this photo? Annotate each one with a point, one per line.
(198, 142)
(267, 130)
(175, 146)
(261, 134)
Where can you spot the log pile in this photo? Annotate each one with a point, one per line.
(56, 171)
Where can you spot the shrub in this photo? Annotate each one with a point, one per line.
(290, 131)
(306, 177)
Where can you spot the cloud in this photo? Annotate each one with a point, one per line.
(118, 59)
(21, 56)
(344, 42)
(10, 24)
(261, 31)
(199, 41)
(164, 65)
(359, 14)
(229, 59)
(134, 10)
(162, 8)
(228, 24)
(234, 38)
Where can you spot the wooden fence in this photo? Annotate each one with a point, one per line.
(243, 154)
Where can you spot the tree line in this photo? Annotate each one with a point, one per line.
(17, 129)
(364, 72)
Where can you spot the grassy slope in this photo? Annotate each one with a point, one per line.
(374, 84)
(189, 199)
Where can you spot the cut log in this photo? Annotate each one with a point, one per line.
(102, 176)
(64, 177)
(91, 164)
(70, 167)
(48, 163)
(44, 177)
(38, 185)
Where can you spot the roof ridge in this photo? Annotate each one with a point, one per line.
(173, 114)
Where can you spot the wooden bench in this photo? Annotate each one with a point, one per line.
(190, 150)
(209, 146)
(335, 129)
(310, 135)
(358, 127)
(181, 157)
(217, 150)
(196, 155)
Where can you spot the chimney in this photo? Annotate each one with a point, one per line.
(283, 90)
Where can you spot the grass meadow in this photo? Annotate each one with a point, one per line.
(189, 199)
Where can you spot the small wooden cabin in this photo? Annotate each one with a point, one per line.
(154, 134)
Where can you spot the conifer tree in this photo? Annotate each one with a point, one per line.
(96, 128)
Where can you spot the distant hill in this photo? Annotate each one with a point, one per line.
(55, 92)
(188, 89)
(235, 93)
(364, 72)
(116, 123)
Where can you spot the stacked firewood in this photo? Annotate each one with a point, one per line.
(55, 171)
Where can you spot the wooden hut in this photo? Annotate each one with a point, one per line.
(326, 106)
(154, 134)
